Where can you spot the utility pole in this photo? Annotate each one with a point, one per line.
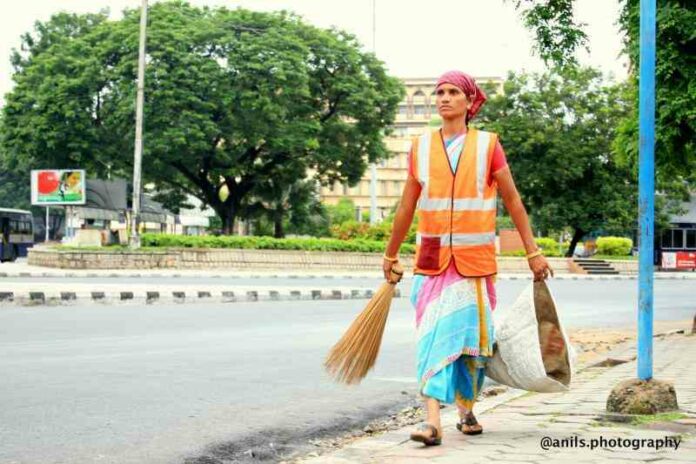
(48, 221)
(646, 187)
(373, 166)
(134, 238)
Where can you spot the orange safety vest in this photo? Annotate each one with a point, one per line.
(456, 210)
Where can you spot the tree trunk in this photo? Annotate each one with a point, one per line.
(227, 225)
(278, 223)
(577, 236)
(228, 214)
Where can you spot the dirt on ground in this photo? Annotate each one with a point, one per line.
(593, 344)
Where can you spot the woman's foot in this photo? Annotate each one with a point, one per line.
(427, 434)
(469, 425)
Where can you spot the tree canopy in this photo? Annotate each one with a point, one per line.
(233, 98)
(675, 82)
(558, 36)
(557, 129)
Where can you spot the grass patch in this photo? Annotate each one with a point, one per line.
(662, 417)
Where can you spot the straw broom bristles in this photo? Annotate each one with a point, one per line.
(356, 352)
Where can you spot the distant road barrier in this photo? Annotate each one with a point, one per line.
(281, 260)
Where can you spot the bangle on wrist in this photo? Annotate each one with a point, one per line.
(393, 260)
(534, 254)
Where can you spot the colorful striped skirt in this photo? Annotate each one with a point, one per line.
(455, 334)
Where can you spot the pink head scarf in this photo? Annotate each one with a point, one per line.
(467, 85)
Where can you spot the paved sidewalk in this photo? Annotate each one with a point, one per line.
(515, 423)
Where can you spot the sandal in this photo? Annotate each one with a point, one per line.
(433, 440)
(465, 425)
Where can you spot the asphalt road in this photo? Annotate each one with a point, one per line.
(318, 282)
(189, 383)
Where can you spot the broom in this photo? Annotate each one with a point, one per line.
(355, 353)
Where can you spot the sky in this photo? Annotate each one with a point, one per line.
(414, 38)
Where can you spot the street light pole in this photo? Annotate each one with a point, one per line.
(134, 239)
(646, 183)
(373, 166)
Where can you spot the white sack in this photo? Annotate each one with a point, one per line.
(532, 350)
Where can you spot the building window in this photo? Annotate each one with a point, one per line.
(691, 239)
(395, 187)
(673, 238)
(382, 188)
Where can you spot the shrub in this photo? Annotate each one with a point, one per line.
(269, 243)
(548, 245)
(504, 222)
(381, 231)
(349, 230)
(614, 246)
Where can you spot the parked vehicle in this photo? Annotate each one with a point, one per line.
(17, 230)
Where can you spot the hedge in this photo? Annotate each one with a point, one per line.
(549, 246)
(614, 246)
(269, 243)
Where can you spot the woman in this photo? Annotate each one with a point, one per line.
(454, 176)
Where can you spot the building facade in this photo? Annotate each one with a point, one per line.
(416, 114)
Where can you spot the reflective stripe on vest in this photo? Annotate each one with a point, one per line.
(460, 239)
(460, 204)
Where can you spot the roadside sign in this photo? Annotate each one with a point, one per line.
(58, 187)
(686, 260)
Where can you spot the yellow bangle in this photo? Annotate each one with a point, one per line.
(534, 254)
(393, 260)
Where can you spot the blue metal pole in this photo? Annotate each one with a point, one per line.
(646, 182)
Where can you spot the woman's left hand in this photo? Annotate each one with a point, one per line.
(540, 268)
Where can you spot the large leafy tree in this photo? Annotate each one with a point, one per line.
(558, 129)
(675, 78)
(233, 98)
(558, 35)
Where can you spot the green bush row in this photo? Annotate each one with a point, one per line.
(614, 246)
(269, 243)
(351, 229)
(548, 245)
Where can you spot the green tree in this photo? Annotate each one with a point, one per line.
(341, 212)
(558, 35)
(558, 129)
(233, 97)
(675, 82)
(288, 205)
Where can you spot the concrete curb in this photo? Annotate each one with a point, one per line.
(521, 276)
(55, 298)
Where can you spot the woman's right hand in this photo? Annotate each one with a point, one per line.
(387, 267)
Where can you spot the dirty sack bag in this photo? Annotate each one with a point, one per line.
(532, 351)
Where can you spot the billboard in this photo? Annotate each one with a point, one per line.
(58, 187)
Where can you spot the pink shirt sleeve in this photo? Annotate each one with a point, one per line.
(498, 162)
